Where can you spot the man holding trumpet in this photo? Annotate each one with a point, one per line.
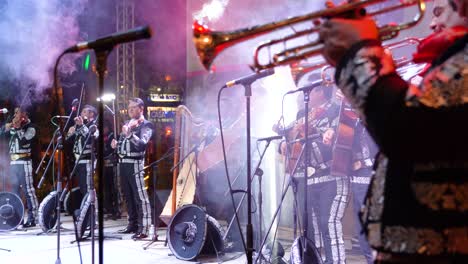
(417, 208)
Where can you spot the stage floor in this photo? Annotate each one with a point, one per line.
(32, 246)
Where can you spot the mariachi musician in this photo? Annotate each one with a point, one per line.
(79, 133)
(131, 148)
(416, 207)
(327, 193)
(23, 135)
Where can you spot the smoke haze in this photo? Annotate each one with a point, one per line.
(33, 34)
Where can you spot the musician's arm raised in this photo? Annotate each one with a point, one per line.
(366, 74)
(24, 135)
(367, 77)
(140, 141)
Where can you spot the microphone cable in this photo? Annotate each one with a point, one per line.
(226, 167)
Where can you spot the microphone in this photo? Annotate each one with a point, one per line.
(309, 87)
(110, 41)
(250, 78)
(270, 138)
(3, 111)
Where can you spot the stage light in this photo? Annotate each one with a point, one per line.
(168, 131)
(211, 11)
(106, 97)
(86, 62)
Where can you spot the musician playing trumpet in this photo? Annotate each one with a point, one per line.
(416, 207)
(22, 137)
(131, 148)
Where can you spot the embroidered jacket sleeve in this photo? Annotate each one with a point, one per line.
(83, 144)
(84, 130)
(403, 127)
(22, 138)
(23, 135)
(140, 140)
(135, 144)
(321, 154)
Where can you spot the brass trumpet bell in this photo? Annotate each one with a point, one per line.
(210, 43)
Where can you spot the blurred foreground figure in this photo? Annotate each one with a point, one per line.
(416, 210)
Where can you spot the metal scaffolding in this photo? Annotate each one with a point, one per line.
(126, 83)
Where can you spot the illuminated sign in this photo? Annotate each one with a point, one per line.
(162, 114)
(165, 97)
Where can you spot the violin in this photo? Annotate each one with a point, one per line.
(19, 120)
(296, 129)
(132, 125)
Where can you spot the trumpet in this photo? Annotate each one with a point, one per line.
(298, 70)
(210, 43)
(405, 65)
(402, 61)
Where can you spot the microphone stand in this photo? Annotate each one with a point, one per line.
(293, 183)
(91, 187)
(54, 135)
(59, 178)
(58, 136)
(56, 132)
(101, 68)
(249, 231)
(59, 190)
(92, 194)
(72, 173)
(116, 169)
(306, 159)
(258, 172)
(194, 149)
(305, 154)
(154, 164)
(92, 205)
